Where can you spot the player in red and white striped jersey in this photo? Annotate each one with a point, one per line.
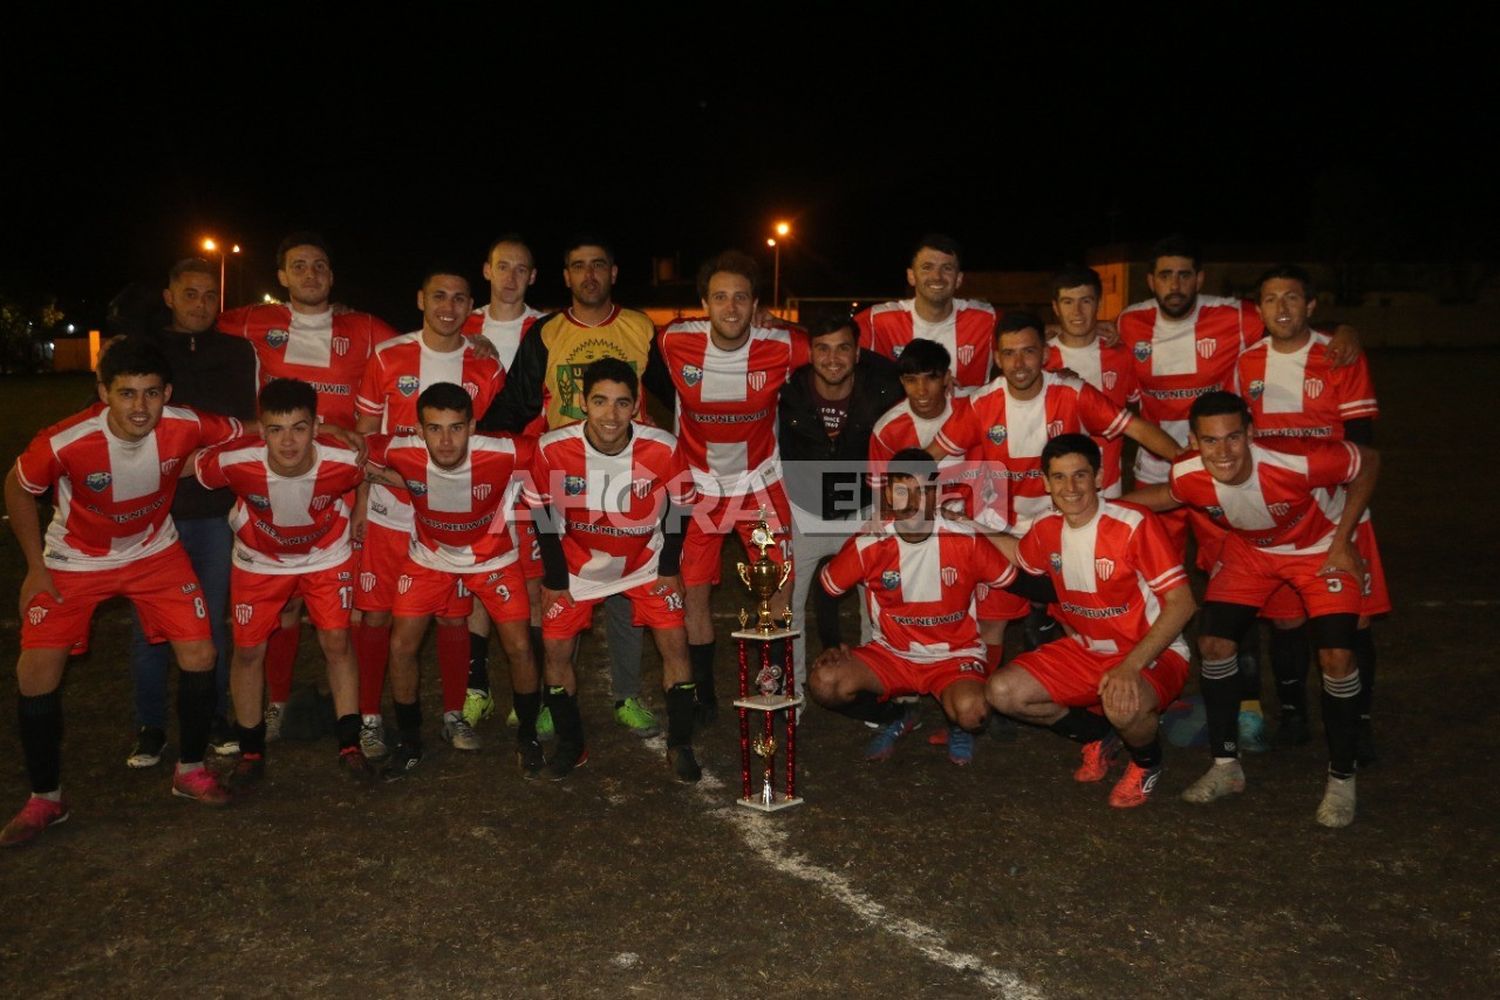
(113, 470)
(1078, 349)
(965, 327)
(611, 485)
(462, 488)
(726, 375)
(1289, 519)
(291, 524)
(1298, 397)
(920, 570)
(400, 371)
(1122, 595)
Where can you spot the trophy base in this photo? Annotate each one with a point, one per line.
(775, 633)
(779, 802)
(767, 702)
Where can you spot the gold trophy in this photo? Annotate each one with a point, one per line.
(762, 576)
(765, 748)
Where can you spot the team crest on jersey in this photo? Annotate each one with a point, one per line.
(1313, 387)
(243, 613)
(1279, 509)
(472, 388)
(416, 488)
(756, 380)
(367, 582)
(482, 492)
(997, 434)
(1109, 379)
(1142, 351)
(1206, 347)
(642, 488)
(98, 481)
(277, 338)
(407, 385)
(1055, 429)
(1056, 560)
(320, 501)
(573, 485)
(1105, 568)
(896, 351)
(403, 583)
(1257, 388)
(35, 615)
(188, 588)
(257, 501)
(950, 576)
(1215, 511)
(170, 465)
(341, 346)
(891, 579)
(981, 591)
(965, 354)
(692, 375)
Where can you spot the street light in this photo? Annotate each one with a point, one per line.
(783, 229)
(211, 246)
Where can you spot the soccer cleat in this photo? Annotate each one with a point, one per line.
(222, 739)
(35, 816)
(544, 730)
(960, 746)
(1252, 733)
(356, 766)
(637, 718)
(246, 773)
(1219, 781)
(883, 743)
(1134, 787)
(1337, 808)
(372, 737)
(200, 785)
(274, 712)
(1365, 752)
(149, 743)
(1293, 730)
(1097, 758)
(565, 759)
(684, 765)
(403, 760)
(457, 731)
(529, 757)
(478, 706)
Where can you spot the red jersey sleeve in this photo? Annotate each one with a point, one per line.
(215, 429)
(208, 470)
(538, 493)
(862, 321)
(1032, 555)
(1252, 327)
(37, 470)
(1154, 557)
(990, 566)
(844, 570)
(1357, 390)
(375, 448)
(1098, 415)
(1332, 464)
(370, 399)
(681, 487)
(235, 322)
(961, 431)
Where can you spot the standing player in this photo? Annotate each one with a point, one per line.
(291, 538)
(920, 570)
(545, 379)
(1124, 599)
(964, 327)
(726, 375)
(1287, 520)
(113, 469)
(1297, 397)
(615, 485)
(400, 370)
(460, 489)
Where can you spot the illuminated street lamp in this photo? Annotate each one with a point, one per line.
(211, 245)
(783, 229)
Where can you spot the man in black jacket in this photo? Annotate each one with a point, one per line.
(827, 411)
(213, 372)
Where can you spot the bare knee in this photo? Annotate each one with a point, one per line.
(1213, 647)
(1002, 691)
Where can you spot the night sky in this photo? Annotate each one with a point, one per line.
(1030, 138)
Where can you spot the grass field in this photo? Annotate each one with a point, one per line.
(911, 878)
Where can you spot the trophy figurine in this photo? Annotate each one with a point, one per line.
(775, 683)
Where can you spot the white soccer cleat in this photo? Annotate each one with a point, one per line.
(1337, 808)
(1221, 780)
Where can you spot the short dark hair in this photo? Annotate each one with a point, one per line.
(438, 267)
(1016, 320)
(515, 238)
(287, 395)
(1074, 276)
(611, 370)
(445, 396)
(940, 242)
(133, 357)
(924, 357)
(192, 265)
(1290, 272)
(729, 262)
(913, 463)
(1176, 245)
(587, 240)
(1217, 404)
(827, 321)
(1071, 444)
(301, 238)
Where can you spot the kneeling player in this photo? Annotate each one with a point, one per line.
(461, 487)
(114, 469)
(920, 570)
(1123, 598)
(617, 486)
(291, 539)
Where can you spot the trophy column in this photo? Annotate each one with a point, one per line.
(777, 693)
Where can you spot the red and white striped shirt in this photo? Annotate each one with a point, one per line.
(114, 497)
(1109, 370)
(325, 350)
(611, 504)
(505, 334)
(1109, 574)
(1300, 398)
(968, 333)
(285, 524)
(960, 475)
(726, 402)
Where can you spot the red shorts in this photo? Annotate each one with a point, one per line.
(163, 588)
(422, 591)
(1071, 673)
(380, 562)
(996, 604)
(900, 676)
(328, 595)
(1245, 575)
(652, 605)
(713, 518)
(1375, 600)
(502, 592)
